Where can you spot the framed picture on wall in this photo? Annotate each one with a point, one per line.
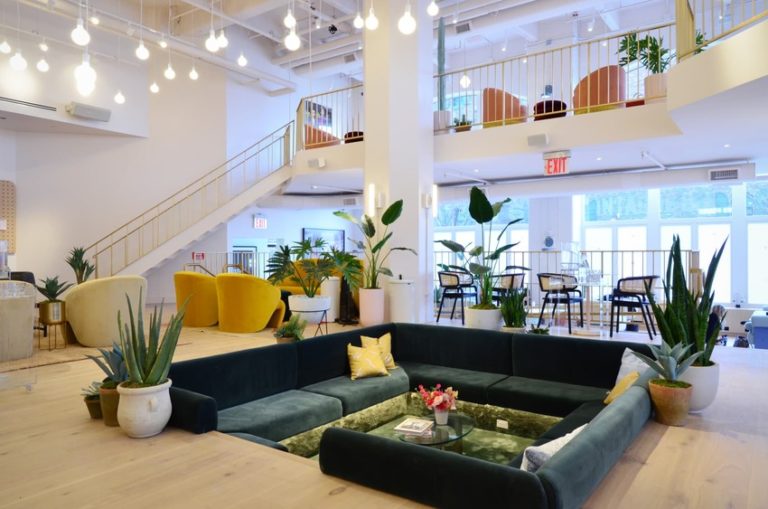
(332, 238)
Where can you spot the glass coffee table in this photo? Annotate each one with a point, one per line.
(459, 426)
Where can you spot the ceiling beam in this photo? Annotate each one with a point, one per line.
(247, 11)
(526, 33)
(353, 39)
(611, 20)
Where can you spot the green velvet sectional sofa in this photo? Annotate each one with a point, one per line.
(272, 393)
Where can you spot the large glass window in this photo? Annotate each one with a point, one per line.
(607, 206)
(711, 237)
(600, 239)
(757, 199)
(695, 202)
(632, 239)
(668, 233)
(757, 268)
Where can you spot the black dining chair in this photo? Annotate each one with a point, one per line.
(630, 294)
(560, 289)
(454, 285)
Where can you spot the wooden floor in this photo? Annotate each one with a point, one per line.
(53, 456)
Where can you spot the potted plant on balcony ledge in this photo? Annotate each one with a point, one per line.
(652, 55)
(462, 125)
(482, 261)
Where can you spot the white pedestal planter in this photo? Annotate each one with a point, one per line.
(705, 380)
(488, 319)
(402, 301)
(331, 287)
(655, 87)
(309, 309)
(144, 411)
(371, 306)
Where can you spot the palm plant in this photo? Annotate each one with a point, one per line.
(112, 363)
(51, 288)
(293, 328)
(685, 317)
(297, 265)
(649, 50)
(512, 306)
(482, 261)
(82, 267)
(374, 247)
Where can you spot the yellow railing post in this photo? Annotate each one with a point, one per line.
(686, 29)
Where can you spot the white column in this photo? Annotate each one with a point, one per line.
(398, 136)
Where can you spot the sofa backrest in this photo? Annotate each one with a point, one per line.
(238, 377)
(326, 357)
(574, 472)
(569, 360)
(455, 347)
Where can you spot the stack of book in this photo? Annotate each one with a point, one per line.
(413, 426)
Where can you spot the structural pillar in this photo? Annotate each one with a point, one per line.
(398, 164)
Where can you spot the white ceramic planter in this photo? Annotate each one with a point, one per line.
(144, 411)
(310, 309)
(705, 380)
(513, 330)
(488, 319)
(655, 87)
(371, 306)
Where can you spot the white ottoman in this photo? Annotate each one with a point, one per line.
(17, 319)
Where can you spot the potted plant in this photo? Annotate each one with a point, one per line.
(462, 125)
(482, 261)
(112, 364)
(543, 331)
(82, 267)
(670, 396)
(92, 401)
(376, 255)
(308, 265)
(145, 403)
(653, 56)
(292, 330)
(683, 320)
(52, 311)
(513, 312)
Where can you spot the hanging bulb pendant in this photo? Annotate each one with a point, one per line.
(407, 23)
(119, 97)
(212, 43)
(222, 39)
(358, 22)
(193, 74)
(371, 22)
(142, 53)
(80, 35)
(432, 9)
(289, 21)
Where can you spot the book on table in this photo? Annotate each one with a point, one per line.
(413, 426)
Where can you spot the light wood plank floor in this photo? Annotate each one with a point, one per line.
(53, 455)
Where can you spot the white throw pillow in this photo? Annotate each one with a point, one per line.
(629, 363)
(535, 456)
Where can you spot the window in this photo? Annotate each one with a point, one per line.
(457, 214)
(608, 206)
(668, 233)
(757, 266)
(631, 238)
(600, 239)
(757, 199)
(711, 237)
(695, 202)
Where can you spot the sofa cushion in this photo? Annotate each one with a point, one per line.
(542, 396)
(365, 362)
(472, 385)
(281, 415)
(359, 394)
(383, 345)
(238, 377)
(326, 357)
(535, 456)
(582, 415)
(454, 347)
(569, 360)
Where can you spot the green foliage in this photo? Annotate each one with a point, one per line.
(512, 306)
(376, 238)
(148, 360)
(51, 288)
(669, 361)
(699, 43)
(92, 391)
(112, 363)
(481, 261)
(462, 122)
(544, 331)
(298, 265)
(293, 328)
(82, 267)
(685, 317)
(649, 50)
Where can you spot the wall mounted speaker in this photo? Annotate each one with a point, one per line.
(538, 140)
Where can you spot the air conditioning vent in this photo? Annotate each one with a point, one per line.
(463, 28)
(350, 202)
(717, 175)
(348, 59)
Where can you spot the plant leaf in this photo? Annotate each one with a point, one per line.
(392, 213)
(480, 208)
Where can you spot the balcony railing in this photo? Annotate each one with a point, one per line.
(708, 21)
(331, 118)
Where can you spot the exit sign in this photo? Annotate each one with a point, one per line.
(259, 223)
(556, 163)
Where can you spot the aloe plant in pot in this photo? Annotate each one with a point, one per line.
(52, 311)
(112, 363)
(482, 260)
(376, 255)
(80, 265)
(684, 319)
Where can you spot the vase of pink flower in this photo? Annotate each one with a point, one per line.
(439, 400)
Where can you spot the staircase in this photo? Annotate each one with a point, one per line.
(161, 231)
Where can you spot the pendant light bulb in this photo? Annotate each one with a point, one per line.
(85, 76)
(407, 23)
(80, 35)
(292, 41)
(154, 88)
(142, 53)
(43, 46)
(18, 62)
(169, 73)
(241, 60)
(371, 22)
(212, 43)
(163, 43)
(432, 9)
(358, 22)
(119, 97)
(42, 65)
(94, 20)
(222, 39)
(289, 21)
(193, 74)
(5, 48)
(465, 82)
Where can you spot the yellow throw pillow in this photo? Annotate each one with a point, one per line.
(621, 386)
(365, 362)
(383, 345)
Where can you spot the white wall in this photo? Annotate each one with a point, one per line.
(8, 168)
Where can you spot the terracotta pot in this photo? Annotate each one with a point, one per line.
(109, 399)
(286, 339)
(671, 403)
(94, 407)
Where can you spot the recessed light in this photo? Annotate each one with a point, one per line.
(599, 158)
(727, 145)
(476, 170)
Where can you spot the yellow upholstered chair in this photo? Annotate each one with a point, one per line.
(247, 303)
(200, 289)
(92, 307)
(603, 89)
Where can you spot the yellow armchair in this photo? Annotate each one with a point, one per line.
(247, 303)
(202, 309)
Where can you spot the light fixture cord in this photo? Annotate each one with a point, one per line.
(141, 21)
(211, 14)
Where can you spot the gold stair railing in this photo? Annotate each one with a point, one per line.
(159, 224)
